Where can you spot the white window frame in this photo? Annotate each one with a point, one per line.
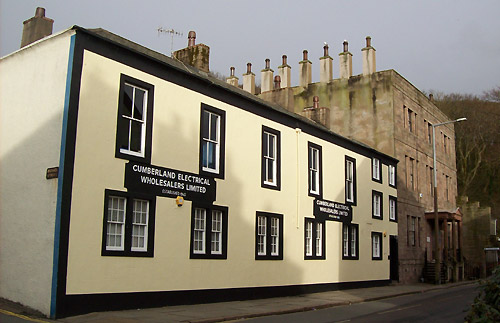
(377, 205)
(215, 141)
(392, 175)
(115, 222)
(129, 223)
(392, 209)
(350, 243)
(268, 236)
(353, 240)
(143, 225)
(314, 170)
(208, 234)
(270, 156)
(376, 169)
(376, 250)
(309, 232)
(199, 236)
(319, 239)
(345, 240)
(275, 236)
(349, 181)
(131, 119)
(262, 235)
(216, 241)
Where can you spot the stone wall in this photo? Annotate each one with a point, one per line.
(476, 234)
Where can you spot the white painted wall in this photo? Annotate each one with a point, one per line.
(32, 90)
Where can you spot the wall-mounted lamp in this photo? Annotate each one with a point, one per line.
(179, 201)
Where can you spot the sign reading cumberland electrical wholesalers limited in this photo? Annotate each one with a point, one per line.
(332, 211)
(168, 182)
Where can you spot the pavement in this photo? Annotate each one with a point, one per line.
(237, 310)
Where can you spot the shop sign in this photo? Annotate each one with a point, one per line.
(332, 211)
(161, 181)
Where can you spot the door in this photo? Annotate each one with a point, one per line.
(393, 258)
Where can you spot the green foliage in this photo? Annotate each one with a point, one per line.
(486, 306)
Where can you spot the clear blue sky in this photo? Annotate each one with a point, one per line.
(446, 45)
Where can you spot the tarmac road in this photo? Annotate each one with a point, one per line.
(444, 305)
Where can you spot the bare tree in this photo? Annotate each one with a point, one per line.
(477, 143)
(492, 95)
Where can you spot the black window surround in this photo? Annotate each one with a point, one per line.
(381, 249)
(376, 174)
(268, 256)
(394, 180)
(395, 199)
(319, 192)
(219, 172)
(350, 227)
(354, 198)
(315, 224)
(127, 252)
(122, 128)
(380, 195)
(208, 230)
(264, 182)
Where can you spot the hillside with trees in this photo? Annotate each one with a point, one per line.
(477, 144)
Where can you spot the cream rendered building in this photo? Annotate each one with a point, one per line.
(130, 180)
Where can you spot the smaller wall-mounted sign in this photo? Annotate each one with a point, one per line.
(161, 181)
(332, 211)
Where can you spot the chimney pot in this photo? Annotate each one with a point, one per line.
(431, 97)
(316, 102)
(40, 12)
(232, 70)
(368, 41)
(249, 68)
(268, 63)
(191, 38)
(304, 55)
(346, 46)
(325, 50)
(277, 82)
(284, 59)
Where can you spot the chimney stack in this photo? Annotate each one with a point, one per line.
(317, 114)
(369, 63)
(326, 67)
(345, 62)
(194, 55)
(233, 80)
(36, 27)
(249, 80)
(266, 76)
(284, 72)
(305, 75)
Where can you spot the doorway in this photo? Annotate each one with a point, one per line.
(393, 258)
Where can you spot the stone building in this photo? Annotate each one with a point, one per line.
(385, 111)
